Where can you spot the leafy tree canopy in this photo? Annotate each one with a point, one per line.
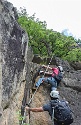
(47, 42)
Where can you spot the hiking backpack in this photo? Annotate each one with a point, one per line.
(62, 113)
(58, 77)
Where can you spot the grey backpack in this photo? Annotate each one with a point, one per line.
(62, 112)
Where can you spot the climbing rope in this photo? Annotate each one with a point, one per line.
(42, 76)
(28, 104)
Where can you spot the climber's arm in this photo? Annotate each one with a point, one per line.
(39, 109)
(47, 67)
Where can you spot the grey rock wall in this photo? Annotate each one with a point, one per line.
(70, 87)
(13, 58)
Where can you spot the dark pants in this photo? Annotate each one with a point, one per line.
(56, 123)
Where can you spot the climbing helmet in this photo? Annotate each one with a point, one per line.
(60, 68)
(54, 94)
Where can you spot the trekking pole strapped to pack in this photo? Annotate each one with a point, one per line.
(53, 116)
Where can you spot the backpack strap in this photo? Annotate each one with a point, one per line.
(53, 116)
(53, 105)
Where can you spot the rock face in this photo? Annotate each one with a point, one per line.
(18, 74)
(13, 55)
(70, 89)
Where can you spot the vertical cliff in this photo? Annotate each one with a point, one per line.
(13, 60)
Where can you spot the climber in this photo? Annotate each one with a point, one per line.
(54, 77)
(62, 112)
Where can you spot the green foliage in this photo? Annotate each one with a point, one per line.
(21, 118)
(47, 42)
(73, 55)
(36, 31)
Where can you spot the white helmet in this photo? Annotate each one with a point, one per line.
(60, 68)
(54, 94)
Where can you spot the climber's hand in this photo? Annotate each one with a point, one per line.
(27, 108)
